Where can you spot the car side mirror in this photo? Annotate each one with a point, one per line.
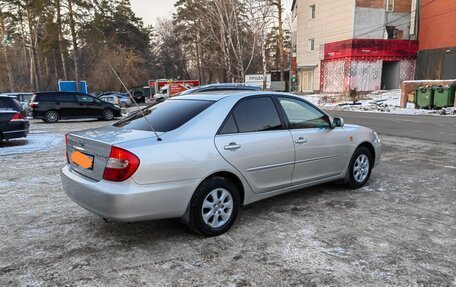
(339, 122)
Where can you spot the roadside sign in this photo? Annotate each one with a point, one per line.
(70, 86)
(258, 79)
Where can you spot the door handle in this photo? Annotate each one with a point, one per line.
(301, 140)
(232, 146)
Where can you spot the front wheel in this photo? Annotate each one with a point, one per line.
(108, 115)
(214, 207)
(360, 167)
(51, 117)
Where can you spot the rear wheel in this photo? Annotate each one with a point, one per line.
(51, 117)
(108, 115)
(214, 206)
(360, 167)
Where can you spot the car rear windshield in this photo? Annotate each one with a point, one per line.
(9, 104)
(166, 116)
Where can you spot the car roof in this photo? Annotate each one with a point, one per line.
(59, 92)
(16, 94)
(218, 95)
(221, 87)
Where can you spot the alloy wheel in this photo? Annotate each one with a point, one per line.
(217, 207)
(361, 168)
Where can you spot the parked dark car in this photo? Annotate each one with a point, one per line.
(13, 119)
(54, 106)
(23, 97)
(139, 97)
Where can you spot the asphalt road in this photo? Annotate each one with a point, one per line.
(433, 128)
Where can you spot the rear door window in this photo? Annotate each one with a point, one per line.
(166, 116)
(44, 98)
(64, 98)
(257, 114)
(229, 127)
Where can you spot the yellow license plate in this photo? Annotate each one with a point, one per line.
(81, 159)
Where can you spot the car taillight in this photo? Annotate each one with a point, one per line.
(66, 149)
(121, 165)
(17, 117)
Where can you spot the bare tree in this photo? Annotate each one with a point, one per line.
(4, 36)
(261, 18)
(61, 40)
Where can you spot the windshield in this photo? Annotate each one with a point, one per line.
(166, 116)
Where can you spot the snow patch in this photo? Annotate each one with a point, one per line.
(376, 102)
(32, 143)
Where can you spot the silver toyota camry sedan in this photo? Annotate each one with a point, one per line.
(200, 157)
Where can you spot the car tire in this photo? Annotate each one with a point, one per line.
(108, 115)
(360, 168)
(214, 207)
(51, 117)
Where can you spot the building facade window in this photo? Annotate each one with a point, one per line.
(311, 45)
(389, 5)
(312, 11)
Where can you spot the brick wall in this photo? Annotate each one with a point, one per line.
(370, 3)
(402, 6)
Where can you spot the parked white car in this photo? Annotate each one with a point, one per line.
(202, 156)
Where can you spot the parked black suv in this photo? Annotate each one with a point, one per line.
(13, 119)
(54, 106)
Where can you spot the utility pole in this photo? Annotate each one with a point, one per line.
(281, 51)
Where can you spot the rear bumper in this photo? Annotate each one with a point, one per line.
(14, 130)
(128, 201)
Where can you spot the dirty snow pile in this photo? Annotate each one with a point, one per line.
(377, 101)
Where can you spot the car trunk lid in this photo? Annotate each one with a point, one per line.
(88, 150)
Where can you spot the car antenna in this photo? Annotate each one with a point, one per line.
(133, 99)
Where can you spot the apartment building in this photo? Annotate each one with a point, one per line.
(437, 36)
(340, 45)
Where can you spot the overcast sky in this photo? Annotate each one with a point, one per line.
(150, 10)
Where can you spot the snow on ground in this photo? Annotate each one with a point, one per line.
(36, 141)
(378, 101)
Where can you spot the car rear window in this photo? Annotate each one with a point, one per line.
(7, 103)
(166, 116)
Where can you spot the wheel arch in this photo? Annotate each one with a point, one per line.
(234, 179)
(225, 174)
(371, 149)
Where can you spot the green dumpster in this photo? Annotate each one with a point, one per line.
(424, 97)
(444, 96)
